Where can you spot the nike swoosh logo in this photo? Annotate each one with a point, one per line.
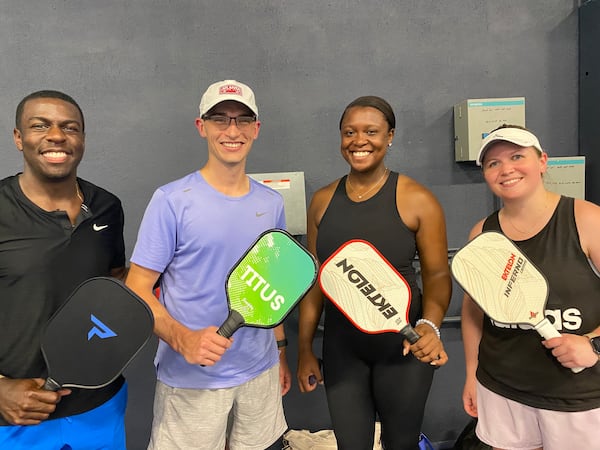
(259, 214)
(99, 227)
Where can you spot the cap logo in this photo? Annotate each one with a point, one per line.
(230, 89)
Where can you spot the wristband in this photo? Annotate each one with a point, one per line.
(431, 324)
(282, 343)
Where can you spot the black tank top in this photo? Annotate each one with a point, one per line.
(512, 361)
(375, 220)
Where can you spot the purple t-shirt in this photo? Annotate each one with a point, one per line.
(193, 235)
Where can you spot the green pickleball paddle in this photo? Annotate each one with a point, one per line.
(267, 282)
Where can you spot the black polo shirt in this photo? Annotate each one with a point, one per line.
(43, 258)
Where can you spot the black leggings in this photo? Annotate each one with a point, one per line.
(366, 376)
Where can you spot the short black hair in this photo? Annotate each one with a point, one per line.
(378, 103)
(47, 94)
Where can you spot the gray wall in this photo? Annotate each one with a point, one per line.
(138, 68)
(589, 94)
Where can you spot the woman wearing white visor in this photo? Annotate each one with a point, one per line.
(522, 390)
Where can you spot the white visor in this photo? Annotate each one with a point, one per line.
(522, 138)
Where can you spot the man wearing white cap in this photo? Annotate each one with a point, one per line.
(193, 231)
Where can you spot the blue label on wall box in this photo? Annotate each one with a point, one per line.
(497, 103)
(560, 162)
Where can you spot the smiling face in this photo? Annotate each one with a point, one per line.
(365, 136)
(231, 145)
(512, 171)
(51, 137)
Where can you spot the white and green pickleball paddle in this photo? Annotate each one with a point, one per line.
(267, 282)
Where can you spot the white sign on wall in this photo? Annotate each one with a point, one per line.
(566, 176)
(291, 186)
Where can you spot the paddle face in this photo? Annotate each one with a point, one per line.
(92, 337)
(504, 283)
(501, 280)
(367, 289)
(267, 282)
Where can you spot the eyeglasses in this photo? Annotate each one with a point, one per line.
(223, 122)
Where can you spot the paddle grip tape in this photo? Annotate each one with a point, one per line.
(230, 326)
(51, 385)
(410, 334)
(233, 322)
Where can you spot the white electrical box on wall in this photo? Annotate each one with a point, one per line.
(566, 175)
(291, 186)
(475, 118)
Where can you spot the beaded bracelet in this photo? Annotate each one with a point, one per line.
(431, 324)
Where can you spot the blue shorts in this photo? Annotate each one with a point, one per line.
(100, 428)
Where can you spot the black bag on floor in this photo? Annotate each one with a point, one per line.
(468, 440)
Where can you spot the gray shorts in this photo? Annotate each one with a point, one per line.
(507, 424)
(198, 418)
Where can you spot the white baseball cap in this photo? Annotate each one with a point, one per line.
(227, 90)
(518, 136)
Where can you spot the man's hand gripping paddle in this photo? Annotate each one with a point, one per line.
(92, 337)
(494, 272)
(267, 282)
(367, 289)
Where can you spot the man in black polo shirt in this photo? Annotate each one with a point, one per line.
(56, 230)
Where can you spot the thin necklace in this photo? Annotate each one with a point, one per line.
(78, 192)
(536, 222)
(368, 190)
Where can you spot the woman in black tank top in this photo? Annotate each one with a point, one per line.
(370, 375)
(518, 387)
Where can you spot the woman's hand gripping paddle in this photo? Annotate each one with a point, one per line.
(267, 282)
(367, 289)
(92, 337)
(494, 272)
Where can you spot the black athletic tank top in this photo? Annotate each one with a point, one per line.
(375, 220)
(512, 361)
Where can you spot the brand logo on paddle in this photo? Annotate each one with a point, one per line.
(256, 281)
(513, 268)
(367, 289)
(100, 329)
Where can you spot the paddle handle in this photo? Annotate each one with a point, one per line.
(51, 385)
(230, 326)
(410, 334)
(547, 331)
